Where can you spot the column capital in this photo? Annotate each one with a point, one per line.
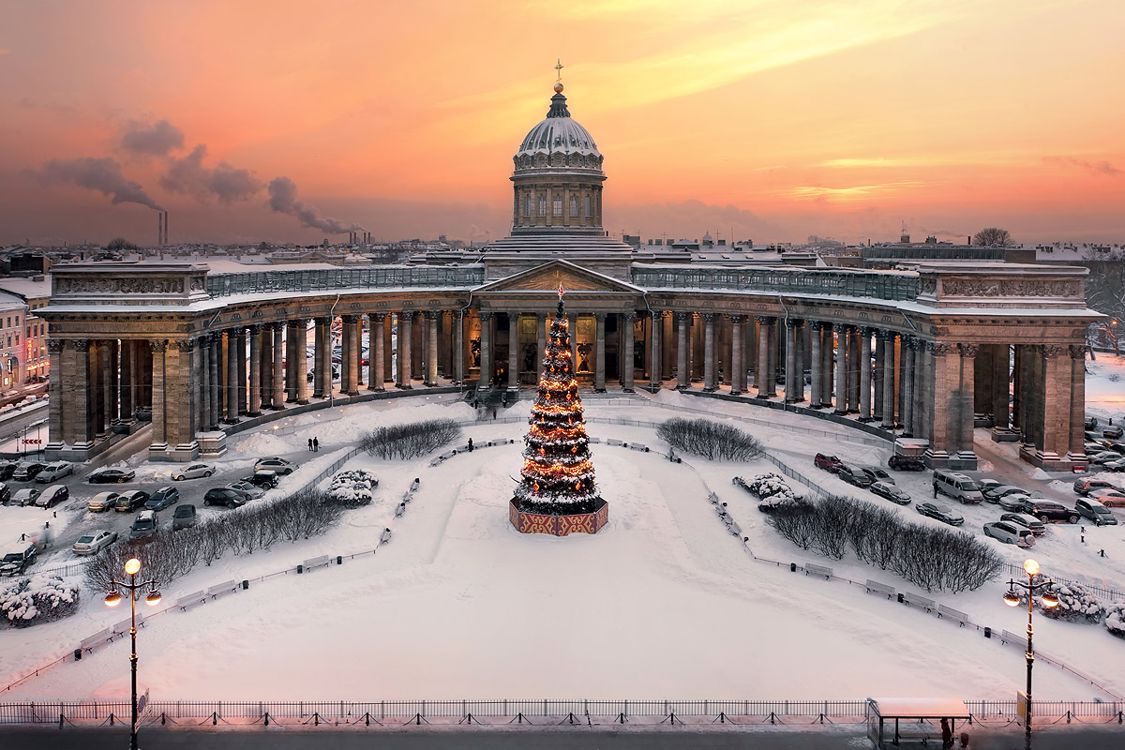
(55, 345)
(866, 331)
(81, 344)
(600, 316)
(629, 316)
(765, 319)
(484, 315)
(409, 314)
(185, 345)
(682, 317)
(938, 348)
(792, 322)
(158, 345)
(377, 317)
(708, 316)
(840, 327)
(969, 350)
(1050, 351)
(432, 314)
(255, 329)
(348, 318)
(886, 334)
(737, 319)
(1077, 351)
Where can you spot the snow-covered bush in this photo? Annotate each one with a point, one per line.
(1076, 604)
(1115, 619)
(712, 440)
(40, 598)
(352, 488)
(406, 441)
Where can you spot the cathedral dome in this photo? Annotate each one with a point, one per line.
(560, 136)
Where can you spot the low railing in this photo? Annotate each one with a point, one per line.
(888, 285)
(1107, 595)
(313, 280)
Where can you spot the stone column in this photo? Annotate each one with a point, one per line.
(204, 373)
(909, 347)
(1001, 386)
(656, 335)
(389, 367)
(290, 359)
(923, 391)
(877, 379)
(628, 371)
(278, 340)
(737, 365)
(161, 394)
(347, 384)
(232, 378)
(358, 348)
(841, 377)
(815, 368)
(966, 398)
(1077, 452)
(763, 380)
(323, 356)
(667, 351)
(79, 421)
(1056, 406)
(214, 379)
(301, 364)
(114, 382)
(128, 378)
(243, 394)
(319, 334)
(417, 347)
(888, 413)
(255, 371)
(865, 374)
(710, 382)
(696, 359)
(349, 332)
(791, 362)
(599, 352)
(375, 373)
(459, 323)
(682, 343)
(485, 381)
(540, 342)
(827, 366)
(513, 351)
(405, 353)
(97, 390)
(57, 388)
(947, 367)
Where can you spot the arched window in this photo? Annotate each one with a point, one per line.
(573, 205)
(556, 205)
(542, 205)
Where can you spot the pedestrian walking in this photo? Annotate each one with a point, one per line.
(946, 735)
(316, 445)
(494, 412)
(470, 445)
(935, 490)
(964, 739)
(310, 445)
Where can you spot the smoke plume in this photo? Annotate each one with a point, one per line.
(283, 199)
(156, 139)
(103, 175)
(189, 175)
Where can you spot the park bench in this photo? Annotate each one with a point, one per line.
(222, 588)
(917, 600)
(614, 441)
(952, 614)
(1007, 636)
(190, 600)
(123, 627)
(818, 570)
(97, 639)
(638, 447)
(874, 587)
(316, 562)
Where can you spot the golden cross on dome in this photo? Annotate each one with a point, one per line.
(558, 69)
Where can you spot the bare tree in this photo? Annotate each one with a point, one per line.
(993, 237)
(406, 441)
(712, 440)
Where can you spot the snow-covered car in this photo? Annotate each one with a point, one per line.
(828, 463)
(17, 561)
(275, 463)
(987, 484)
(1113, 431)
(1103, 458)
(25, 496)
(878, 474)
(1014, 502)
(855, 476)
(1118, 465)
(890, 492)
(27, 471)
(94, 542)
(225, 496)
(5, 494)
(1110, 498)
(53, 495)
(144, 526)
(127, 502)
(193, 471)
(1094, 511)
(110, 475)
(162, 498)
(906, 463)
(945, 515)
(183, 517)
(993, 494)
(1009, 533)
(1048, 510)
(250, 489)
(54, 472)
(102, 501)
(1086, 485)
(1033, 524)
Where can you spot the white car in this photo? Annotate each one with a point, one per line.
(54, 472)
(250, 489)
(1015, 503)
(25, 496)
(193, 471)
(275, 463)
(94, 542)
(1009, 533)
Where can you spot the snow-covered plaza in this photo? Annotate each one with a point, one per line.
(662, 603)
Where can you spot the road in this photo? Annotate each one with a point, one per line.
(13, 425)
(81, 521)
(1059, 738)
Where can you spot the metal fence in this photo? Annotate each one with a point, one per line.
(887, 285)
(382, 277)
(1106, 594)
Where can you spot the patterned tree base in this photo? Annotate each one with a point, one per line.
(560, 525)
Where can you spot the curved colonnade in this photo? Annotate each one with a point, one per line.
(929, 354)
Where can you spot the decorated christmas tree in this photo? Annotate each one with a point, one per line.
(558, 476)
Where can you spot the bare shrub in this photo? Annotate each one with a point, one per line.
(712, 440)
(406, 441)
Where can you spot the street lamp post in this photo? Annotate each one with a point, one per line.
(1048, 600)
(112, 599)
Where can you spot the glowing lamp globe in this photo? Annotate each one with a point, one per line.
(1031, 566)
(1012, 599)
(113, 598)
(1049, 600)
(153, 598)
(132, 566)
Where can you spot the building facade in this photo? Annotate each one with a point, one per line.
(931, 352)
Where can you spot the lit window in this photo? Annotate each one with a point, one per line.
(556, 206)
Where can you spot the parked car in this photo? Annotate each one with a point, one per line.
(1097, 459)
(1091, 447)
(102, 501)
(1117, 446)
(1090, 423)
(25, 496)
(906, 463)
(5, 494)
(16, 562)
(1014, 502)
(890, 492)
(193, 471)
(144, 526)
(1109, 497)
(944, 515)
(1113, 431)
(987, 484)
(54, 472)
(53, 495)
(1028, 522)
(7, 469)
(1086, 485)
(252, 490)
(855, 476)
(127, 502)
(110, 475)
(162, 498)
(1095, 511)
(1118, 465)
(960, 487)
(183, 517)
(276, 463)
(1009, 533)
(878, 474)
(266, 479)
(993, 494)
(828, 463)
(94, 542)
(1049, 510)
(226, 496)
(27, 471)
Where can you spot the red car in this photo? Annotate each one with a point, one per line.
(828, 463)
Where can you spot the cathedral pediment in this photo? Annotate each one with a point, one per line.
(549, 276)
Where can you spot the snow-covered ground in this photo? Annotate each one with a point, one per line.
(664, 602)
(1105, 387)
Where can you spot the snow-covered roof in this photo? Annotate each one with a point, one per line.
(921, 708)
(26, 287)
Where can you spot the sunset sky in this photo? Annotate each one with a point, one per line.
(774, 120)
